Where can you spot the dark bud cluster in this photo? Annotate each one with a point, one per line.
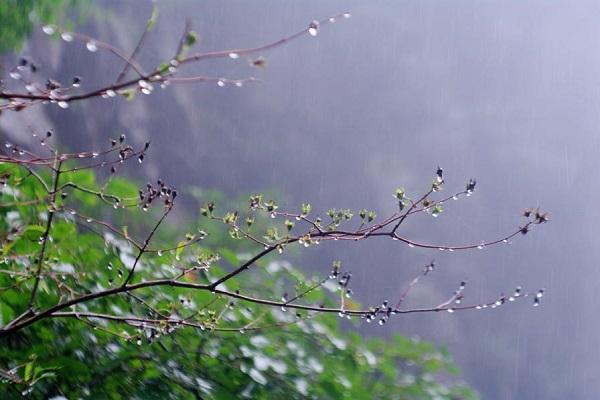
(152, 193)
(51, 84)
(471, 186)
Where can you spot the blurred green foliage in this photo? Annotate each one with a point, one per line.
(18, 17)
(88, 358)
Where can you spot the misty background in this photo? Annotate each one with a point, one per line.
(506, 92)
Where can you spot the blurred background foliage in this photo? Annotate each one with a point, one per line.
(19, 17)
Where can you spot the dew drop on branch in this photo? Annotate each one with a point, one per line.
(48, 29)
(67, 36)
(313, 28)
(91, 46)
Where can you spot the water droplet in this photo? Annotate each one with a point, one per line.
(91, 46)
(239, 84)
(347, 15)
(234, 56)
(88, 220)
(450, 250)
(139, 342)
(313, 28)
(455, 197)
(481, 246)
(111, 93)
(109, 266)
(411, 245)
(15, 75)
(283, 309)
(63, 104)
(441, 249)
(332, 20)
(504, 241)
(159, 253)
(30, 88)
(48, 29)
(450, 310)
(220, 83)
(67, 36)
(478, 307)
(94, 155)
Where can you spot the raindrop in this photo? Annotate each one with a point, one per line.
(111, 93)
(347, 15)
(48, 29)
(15, 75)
(94, 155)
(411, 245)
(455, 197)
(88, 220)
(234, 56)
(239, 84)
(30, 88)
(109, 266)
(139, 342)
(91, 46)
(67, 36)
(313, 28)
(332, 20)
(159, 253)
(220, 83)
(480, 247)
(63, 104)
(450, 310)
(382, 321)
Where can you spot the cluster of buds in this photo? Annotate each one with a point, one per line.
(384, 309)
(160, 191)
